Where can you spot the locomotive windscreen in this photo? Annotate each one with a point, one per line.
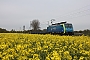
(68, 25)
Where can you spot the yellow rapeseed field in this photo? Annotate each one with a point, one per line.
(43, 47)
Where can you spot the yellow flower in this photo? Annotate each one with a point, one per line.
(38, 47)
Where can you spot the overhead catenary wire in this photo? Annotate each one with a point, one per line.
(80, 12)
(83, 11)
(75, 11)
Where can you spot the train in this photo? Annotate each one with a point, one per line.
(62, 28)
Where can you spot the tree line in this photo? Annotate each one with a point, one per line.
(35, 24)
(85, 32)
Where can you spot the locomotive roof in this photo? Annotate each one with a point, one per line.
(58, 24)
(61, 23)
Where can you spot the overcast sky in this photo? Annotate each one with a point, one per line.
(16, 13)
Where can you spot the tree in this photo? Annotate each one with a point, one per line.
(24, 28)
(35, 24)
(2, 30)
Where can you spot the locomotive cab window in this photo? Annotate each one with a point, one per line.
(68, 25)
